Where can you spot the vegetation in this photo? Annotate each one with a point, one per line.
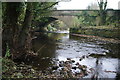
(101, 17)
(92, 18)
(56, 25)
(18, 20)
(21, 20)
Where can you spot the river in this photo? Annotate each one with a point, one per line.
(61, 46)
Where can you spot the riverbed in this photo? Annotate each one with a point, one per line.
(100, 57)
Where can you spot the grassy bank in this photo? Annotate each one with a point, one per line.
(102, 31)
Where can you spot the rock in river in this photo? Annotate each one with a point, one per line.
(55, 67)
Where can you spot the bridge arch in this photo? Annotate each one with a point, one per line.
(68, 20)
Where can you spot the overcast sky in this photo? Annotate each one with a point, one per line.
(82, 4)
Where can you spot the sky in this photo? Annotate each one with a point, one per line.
(82, 4)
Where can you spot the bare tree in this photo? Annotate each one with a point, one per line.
(102, 11)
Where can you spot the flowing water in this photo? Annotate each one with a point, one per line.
(60, 46)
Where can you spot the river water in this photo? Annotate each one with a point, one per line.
(60, 46)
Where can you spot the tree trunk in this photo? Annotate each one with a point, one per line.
(24, 39)
(26, 25)
(17, 40)
(10, 26)
(102, 11)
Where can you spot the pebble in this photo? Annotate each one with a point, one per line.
(61, 62)
(74, 67)
(80, 59)
(73, 61)
(77, 51)
(83, 56)
(68, 58)
(80, 67)
(60, 65)
(67, 62)
(77, 63)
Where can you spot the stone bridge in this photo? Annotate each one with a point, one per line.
(67, 16)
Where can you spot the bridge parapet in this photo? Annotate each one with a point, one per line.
(76, 12)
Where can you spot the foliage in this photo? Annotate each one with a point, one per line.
(76, 22)
(17, 21)
(85, 19)
(7, 65)
(11, 69)
(50, 28)
(7, 55)
(56, 25)
(42, 10)
(92, 18)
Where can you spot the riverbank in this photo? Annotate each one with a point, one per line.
(101, 31)
(111, 40)
(12, 70)
(69, 69)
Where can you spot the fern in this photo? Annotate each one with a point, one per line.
(7, 52)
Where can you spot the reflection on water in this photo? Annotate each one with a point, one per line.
(61, 46)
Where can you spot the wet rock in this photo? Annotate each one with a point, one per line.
(59, 40)
(83, 56)
(73, 61)
(74, 67)
(80, 59)
(81, 74)
(69, 66)
(67, 62)
(43, 58)
(80, 67)
(61, 62)
(80, 48)
(68, 58)
(77, 51)
(77, 63)
(87, 56)
(76, 74)
(91, 69)
(47, 57)
(84, 66)
(55, 67)
(84, 72)
(59, 48)
(61, 65)
(65, 69)
(55, 59)
(68, 45)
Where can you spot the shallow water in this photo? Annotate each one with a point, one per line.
(58, 46)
